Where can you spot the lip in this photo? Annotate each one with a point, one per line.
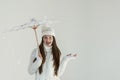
(48, 43)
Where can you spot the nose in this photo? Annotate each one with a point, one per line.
(48, 40)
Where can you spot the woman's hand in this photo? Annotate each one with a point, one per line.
(35, 27)
(72, 55)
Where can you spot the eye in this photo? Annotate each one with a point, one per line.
(50, 37)
(45, 37)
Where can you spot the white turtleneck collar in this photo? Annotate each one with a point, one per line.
(47, 48)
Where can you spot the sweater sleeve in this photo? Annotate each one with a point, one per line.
(63, 64)
(35, 62)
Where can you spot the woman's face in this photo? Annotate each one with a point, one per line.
(48, 40)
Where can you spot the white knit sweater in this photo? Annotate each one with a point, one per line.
(48, 69)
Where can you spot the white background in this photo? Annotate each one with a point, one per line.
(90, 28)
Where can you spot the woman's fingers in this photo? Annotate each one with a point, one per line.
(69, 54)
(74, 55)
(35, 27)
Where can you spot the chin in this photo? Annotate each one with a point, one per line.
(48, 45)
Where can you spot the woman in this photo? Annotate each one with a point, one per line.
(48, 64)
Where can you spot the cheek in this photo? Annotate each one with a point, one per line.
(51, 41)
(44, 40)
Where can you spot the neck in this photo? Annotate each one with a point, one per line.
(47, 47)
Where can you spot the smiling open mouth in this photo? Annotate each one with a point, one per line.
(48, 42)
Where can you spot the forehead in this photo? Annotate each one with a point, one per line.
(47, 36)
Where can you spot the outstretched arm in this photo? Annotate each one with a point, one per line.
(35, 62)
(64, 62)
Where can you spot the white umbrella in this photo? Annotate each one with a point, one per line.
(33, 22)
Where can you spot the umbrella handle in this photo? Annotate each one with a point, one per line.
(37, 43)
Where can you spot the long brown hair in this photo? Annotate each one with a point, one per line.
(56, 56)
